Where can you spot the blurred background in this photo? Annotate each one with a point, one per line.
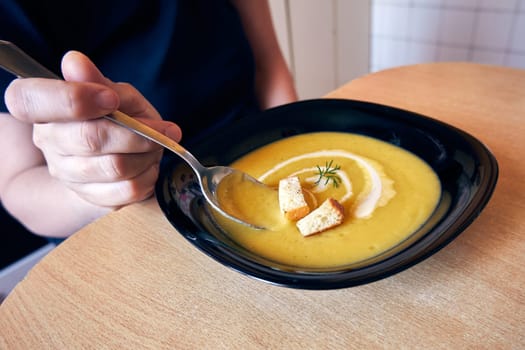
(329, 42)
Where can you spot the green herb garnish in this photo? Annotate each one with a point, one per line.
(329, 173)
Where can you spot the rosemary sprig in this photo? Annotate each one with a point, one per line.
(329, 173)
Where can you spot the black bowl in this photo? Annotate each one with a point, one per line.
(467, 171)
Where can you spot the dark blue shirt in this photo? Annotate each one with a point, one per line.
(190, 58)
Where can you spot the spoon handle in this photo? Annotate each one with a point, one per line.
(153, 135)
(17, 62)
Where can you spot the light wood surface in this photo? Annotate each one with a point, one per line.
(130, 281)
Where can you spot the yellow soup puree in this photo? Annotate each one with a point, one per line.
(387, 193)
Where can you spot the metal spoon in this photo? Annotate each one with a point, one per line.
(17, 62)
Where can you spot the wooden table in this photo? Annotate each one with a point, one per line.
(130, 281)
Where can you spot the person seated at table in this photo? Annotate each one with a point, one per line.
(183, 67)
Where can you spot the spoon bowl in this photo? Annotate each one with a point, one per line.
(17, 62)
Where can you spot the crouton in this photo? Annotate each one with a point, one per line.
(329, 214)
(291, 199)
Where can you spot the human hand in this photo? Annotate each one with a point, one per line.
(102, 162)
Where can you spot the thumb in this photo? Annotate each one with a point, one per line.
(78, 67)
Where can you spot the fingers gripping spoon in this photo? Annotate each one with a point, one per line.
(17, 62)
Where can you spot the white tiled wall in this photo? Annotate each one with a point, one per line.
(413, 31)
(325, 42)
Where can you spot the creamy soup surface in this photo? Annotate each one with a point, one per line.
(387, 193)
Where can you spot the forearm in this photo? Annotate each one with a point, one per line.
(45, 206)
(274, 82)
(274, 85)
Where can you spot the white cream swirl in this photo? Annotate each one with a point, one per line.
(366, 204)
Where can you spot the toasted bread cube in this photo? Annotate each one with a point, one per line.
(329, 214)
(291, 199)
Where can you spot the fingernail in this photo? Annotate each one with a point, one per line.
(107, 99)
